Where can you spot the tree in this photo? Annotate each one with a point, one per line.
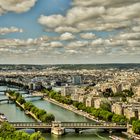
(36, 136)
(132, 119)
(6, 130)
(136, 126)
(119, 119)
(21, 100)
(106, 105)
(20, 135)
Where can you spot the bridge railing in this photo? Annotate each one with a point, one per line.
(89, 124)
(68, 125)
(29, 124)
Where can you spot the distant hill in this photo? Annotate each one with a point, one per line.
(70, 66)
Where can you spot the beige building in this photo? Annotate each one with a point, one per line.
(90, 101)
(97, 102)
(114, 88)
(123, 86)
(82, 99)
(136, 90)
(75, 96)
(117, 108)
(68, 90)
(129, 112)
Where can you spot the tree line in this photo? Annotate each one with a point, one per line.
(8, 132)
(98, 113)
(41, 114)
(102, 113)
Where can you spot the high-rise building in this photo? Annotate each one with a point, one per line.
(68, 90)
(76, 80)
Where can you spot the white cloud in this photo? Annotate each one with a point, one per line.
(51, 21)
(107, 3)
(74, 15)
(123, 12)
(62, 29)
(119, 16)
(96, 42)
(6, 30)
(77, 44)
(136, 28)
(72, 51)
(67, 36)
(56, 44)
(134, 43)
(78, 14)
(130, 36)
(17, 6)
(95, 15)
(88, 36)
(23, 43)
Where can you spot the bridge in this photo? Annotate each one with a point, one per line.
(59, 127)
(4, 90)
(33, 97)
(26, 97)
(22, 92)
(3, 100)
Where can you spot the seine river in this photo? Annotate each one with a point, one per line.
(14, 113)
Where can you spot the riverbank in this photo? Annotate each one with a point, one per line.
(22, 107)
(132, 136)
(28, 112)
(73, 109)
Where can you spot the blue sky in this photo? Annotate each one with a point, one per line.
(69, 31)
(28, 20)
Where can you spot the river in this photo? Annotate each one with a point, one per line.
(14, 113)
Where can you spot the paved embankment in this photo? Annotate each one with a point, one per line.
(71, 108)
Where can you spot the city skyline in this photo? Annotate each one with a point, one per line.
(69, 31)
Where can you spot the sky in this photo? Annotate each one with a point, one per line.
(69, 31)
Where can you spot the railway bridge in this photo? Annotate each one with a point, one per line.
(59, 127)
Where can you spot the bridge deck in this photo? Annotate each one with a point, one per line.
(4, 100)
(69, 125)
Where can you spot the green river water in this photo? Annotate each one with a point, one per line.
(13, 113)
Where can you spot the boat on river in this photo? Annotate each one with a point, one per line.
(116, 138)
(3, 118)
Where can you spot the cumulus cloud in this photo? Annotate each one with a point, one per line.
(88, 36)
(6, 30)
(136, 28)
(51, 21)
(62, 29)
(108, 3)
(67, 36)
(55, 44)
(17, 6)
(77, 44)
(81, 21)
(78, 14)
(95, 15)
(130, 36)
(74, 15)
(23, 43)
(72, 51)
(96, 42)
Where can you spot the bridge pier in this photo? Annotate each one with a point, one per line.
(57, 129)
(77, 130)
(8, 101)
(110, 131)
